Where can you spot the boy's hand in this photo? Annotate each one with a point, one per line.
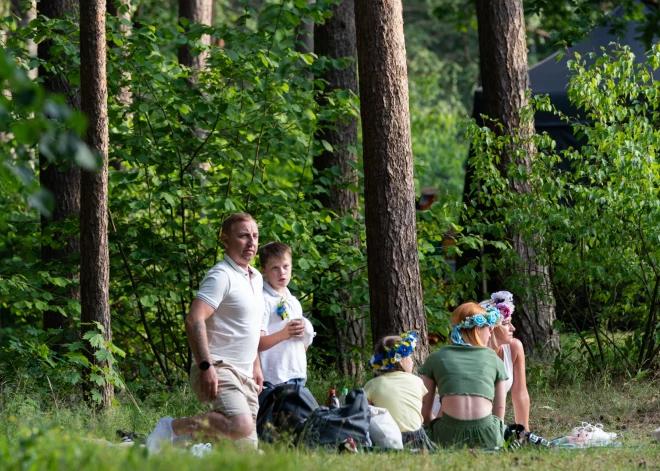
(209, 382)
(294, 329)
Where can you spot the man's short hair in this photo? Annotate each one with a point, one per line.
(273, 250)
(232, 219)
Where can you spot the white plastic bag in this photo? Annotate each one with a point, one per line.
(383, 430)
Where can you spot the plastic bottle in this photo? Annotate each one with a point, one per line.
(332, 401)
(342, 398)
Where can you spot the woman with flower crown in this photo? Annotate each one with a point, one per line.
(511, 352)
(471, 382)
(396, 389)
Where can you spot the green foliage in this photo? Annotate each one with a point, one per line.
(435, 121)
(571, 20)
(191, 148)
(591, 214)
(30, 117)
(29, 360)
(197, 146)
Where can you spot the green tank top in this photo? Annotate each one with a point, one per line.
(465, 370)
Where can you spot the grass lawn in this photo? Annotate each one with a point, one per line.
(43, 433)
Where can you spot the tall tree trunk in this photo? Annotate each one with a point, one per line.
(503, 62)
(63, 181)
(395, 286)
(196, 11)
(95, 263)
(336, 39)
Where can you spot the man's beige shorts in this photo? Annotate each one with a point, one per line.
(237, 394)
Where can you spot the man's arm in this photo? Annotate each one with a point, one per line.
(199, 345)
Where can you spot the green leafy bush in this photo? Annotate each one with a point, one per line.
(591, 214)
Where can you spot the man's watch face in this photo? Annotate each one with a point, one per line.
(205, 365)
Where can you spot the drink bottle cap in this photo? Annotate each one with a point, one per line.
(332, 391)
(344, 391)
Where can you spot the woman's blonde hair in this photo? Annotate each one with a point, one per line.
(468, 309)
(383, 346)
(493, 344)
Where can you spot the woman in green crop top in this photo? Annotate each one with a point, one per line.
(471, 382)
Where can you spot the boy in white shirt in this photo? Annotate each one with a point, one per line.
(285, 333)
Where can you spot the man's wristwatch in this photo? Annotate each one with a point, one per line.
(205, 365)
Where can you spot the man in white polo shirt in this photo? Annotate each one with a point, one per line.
(223, 330)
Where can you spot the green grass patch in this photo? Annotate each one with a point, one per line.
(49, 433)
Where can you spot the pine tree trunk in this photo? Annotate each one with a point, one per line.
(95, 263)
(196, 11)
(336, 39)
(63, 181)
(504, 72)
(395, 287)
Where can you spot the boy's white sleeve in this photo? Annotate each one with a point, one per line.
(309, 334)
(214, 288)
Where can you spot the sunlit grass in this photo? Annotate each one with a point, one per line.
(47, 432)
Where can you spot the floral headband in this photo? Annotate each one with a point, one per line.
(489, 318)
(503, 301)
(392, 356)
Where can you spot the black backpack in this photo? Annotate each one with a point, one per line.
(282, 410)
(329, 427)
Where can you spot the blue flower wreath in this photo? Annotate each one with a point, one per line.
(402, 349)
(489, 318)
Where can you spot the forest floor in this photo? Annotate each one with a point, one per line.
(39, 432)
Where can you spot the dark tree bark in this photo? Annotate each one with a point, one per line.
(63, 181)
(395, 287)
(95, 262)
(504, 71)
(336, 39)
(196, 11)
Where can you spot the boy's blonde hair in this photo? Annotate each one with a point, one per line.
(468, 309)
(273, 250)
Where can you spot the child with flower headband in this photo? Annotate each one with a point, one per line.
(396, 389)
(511, 352)
(285, 333)
(471, 382)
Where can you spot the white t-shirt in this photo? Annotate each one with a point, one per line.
(233, 328)
(287, 359)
